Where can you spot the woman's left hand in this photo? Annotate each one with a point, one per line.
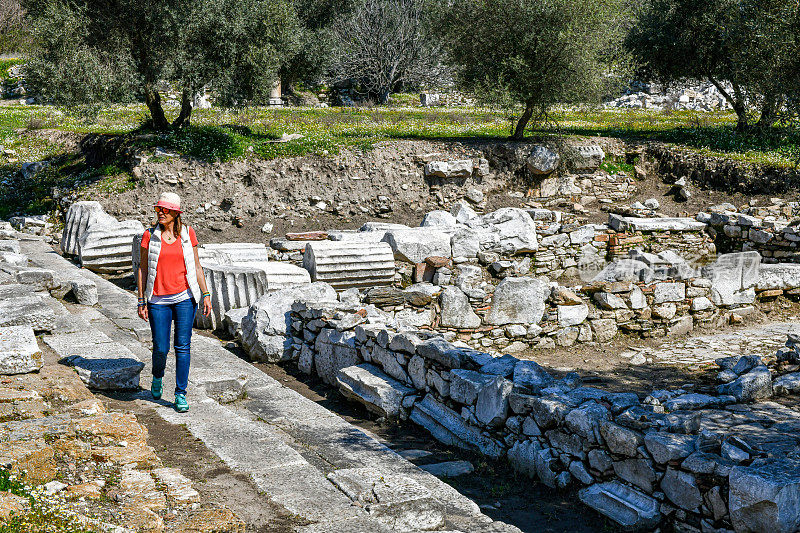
(207, 306)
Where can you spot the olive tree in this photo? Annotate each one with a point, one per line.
(743, 47)
(536, 53)
(90, 51)
(11, 26)
(385, 44)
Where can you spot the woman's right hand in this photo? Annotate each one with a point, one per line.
(143, 312)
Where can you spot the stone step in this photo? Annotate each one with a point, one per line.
(100, 362)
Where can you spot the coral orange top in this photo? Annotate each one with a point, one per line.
(171, 270)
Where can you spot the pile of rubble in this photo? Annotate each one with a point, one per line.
(698, 97)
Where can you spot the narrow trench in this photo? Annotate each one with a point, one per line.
(501, 493)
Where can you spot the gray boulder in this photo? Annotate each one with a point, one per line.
(542, 160)
(766, 497)
(456, 310)
(518, 301)
(754, 385)
(371, 387)
(265, 330)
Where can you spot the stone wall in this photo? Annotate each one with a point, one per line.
(720, 173)
(707, 461)
(767, 231)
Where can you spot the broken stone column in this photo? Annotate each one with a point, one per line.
(231, 287)
(350, 264)
(284, 275)
(105, 246)
(240, 252)
(79, 217)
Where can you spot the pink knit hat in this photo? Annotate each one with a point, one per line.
(169, 200)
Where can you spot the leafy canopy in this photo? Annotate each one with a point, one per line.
(536, 52)
(93, 51)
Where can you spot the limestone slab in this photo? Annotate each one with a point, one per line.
(19, 351)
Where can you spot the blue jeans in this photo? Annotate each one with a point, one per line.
(161, 318)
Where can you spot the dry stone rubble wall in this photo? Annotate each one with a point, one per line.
(705, 460)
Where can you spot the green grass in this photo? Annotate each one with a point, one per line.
(41, 516)
(224, 134)
(6, 64)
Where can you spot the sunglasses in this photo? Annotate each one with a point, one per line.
(164, 210)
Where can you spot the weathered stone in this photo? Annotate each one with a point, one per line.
(572, 315)
(19, 351)
(666, 447)
(733, 278)
(669, 292)
(231, 287)
(518, 301)
(607, 300)
(579, 472)
(681, 488)
(522, 456)
(439, 350)
(548, 412)
(438, 218)
(461, 168)
(754, 385)
(449, 468)
(178, 487)
(514, 228)
(265, 330)
(766, 497)
(100, 362)
(620, 440)
(491, 406)
(466, 384)
(604, 329)
(416, 244)
(78, 218)
(529, 375)
(449, 427)
(350, 264)
(542, 160)
(369, 386)
(632, 509)
(787, 384)
(334, 350)
(456, 310)
(105, 245)
(585, 420)
(638, 472)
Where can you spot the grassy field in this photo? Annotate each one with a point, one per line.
(219, 134)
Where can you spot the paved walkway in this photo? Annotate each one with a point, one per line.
(302, 456)
(699, 350)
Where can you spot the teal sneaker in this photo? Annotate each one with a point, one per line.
(155, 388)
(181, 405)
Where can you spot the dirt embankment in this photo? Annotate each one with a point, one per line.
(232, 201)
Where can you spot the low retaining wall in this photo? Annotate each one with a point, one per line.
(704, 461)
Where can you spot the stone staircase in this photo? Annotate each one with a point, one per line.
(330, 474)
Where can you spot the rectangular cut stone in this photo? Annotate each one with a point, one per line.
(632, 509)
(19, 352)
(100, 362)
(449, 427)
(656, 224)
(371, 387)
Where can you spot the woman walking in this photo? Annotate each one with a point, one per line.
(170, 281)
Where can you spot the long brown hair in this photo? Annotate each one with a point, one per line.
(178, 225)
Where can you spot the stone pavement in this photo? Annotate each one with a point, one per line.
(700, 350)
(303, 457)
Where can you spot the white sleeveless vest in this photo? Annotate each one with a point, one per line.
(153, 251)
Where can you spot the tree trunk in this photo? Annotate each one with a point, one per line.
(153, 101)
(186, 110)
(769, 113)
(737, 102)
(519, 131)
